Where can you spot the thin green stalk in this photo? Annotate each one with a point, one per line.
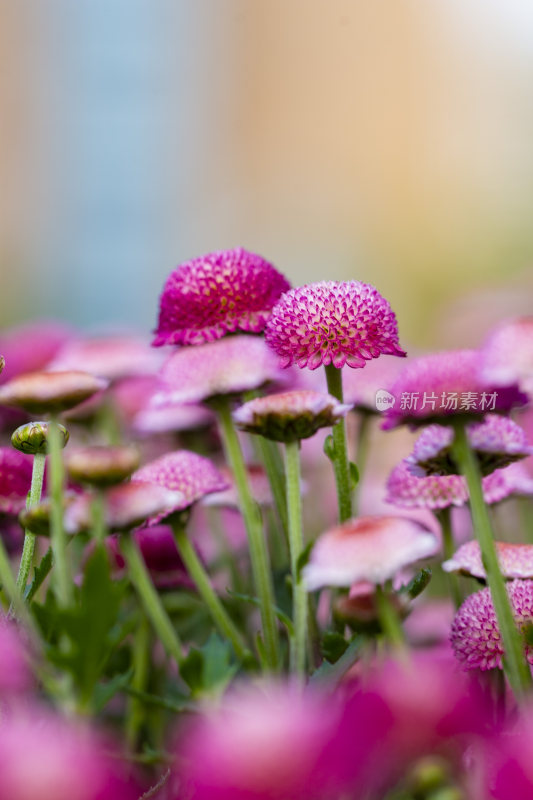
(150, 599)
(28, 549)
(296, 546)
(448, 547)
(63, 582)
(254, 527)
(141, 665)
(340, 456)
(361, 452)
(514, 662)
(388, 618)
(98, 514)
(203, 584)
(273, 463)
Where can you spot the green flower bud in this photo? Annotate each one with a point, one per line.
(32, 437)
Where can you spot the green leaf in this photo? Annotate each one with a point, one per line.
(333, 673)
(191, 670)
(103, 692)
(329, 447)
(39, 575)
(417, 585)
(334, 645)
(209, 669)
(354, 474)
(527, 631)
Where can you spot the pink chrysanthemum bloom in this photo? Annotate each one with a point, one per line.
(216, 294)
(475, 637)
(15, 480)
(50, 392)
(289, 415)
(516, 560)
(172, 419)
(429, 491)
(332, 322)
(370, 549)
(111, 357)
(497, 442)
(507, 355)
(182, 471)
(506, 482)
(441, 386)
(229, 366)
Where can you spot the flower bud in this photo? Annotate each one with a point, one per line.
(49, 392)
(102, 466)
(32, 438)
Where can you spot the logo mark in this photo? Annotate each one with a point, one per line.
(384, 400)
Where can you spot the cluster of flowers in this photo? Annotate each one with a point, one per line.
(227, 639)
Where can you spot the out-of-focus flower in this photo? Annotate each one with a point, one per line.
(32, 438)
(475, 635)
(503, 483)
(360, 388)
(15, 672)
(49, 392)
(277, 742)
(430, 491)
(111, 357)
(507, 355)
(257, 481)
(508, 762)
(68, 762)
(216, 294)
(497, 442)
(332, 322)
(359, 609)
(370, 549)
(438, 387)
(172, 418)
(100, 465)
(15, 480)
(31, 347)
(289, 415)
(182, 471)
(516, 560)
(160, 554)
(230, 366)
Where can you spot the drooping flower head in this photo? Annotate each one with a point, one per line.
(507, 355)
(216, 294)
(497, 442)
(516, 560)
(441, 386)
(506, 482)
(370, 549)
(289, 415)
(475, 636)
(332, 322)
(230, 366)
(100, 465)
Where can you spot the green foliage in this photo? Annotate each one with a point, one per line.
(209, 669)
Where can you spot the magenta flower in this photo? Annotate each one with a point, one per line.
(191, 475)
(111, 357)
(516, 560)
(216, 294)
(497, 442)
(15, 480)
(160, 554)
(15, 672)
(507, 355)
(230, 366)
(475, 637)
(31, 347)
(430, 491)
(508, 763)
(370, 549)
(332, 323)
(438, 387)
(289, 415)
(68, 762)
(503, 483)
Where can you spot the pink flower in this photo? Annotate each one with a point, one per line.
(15, 673)
(475, 636)
(371, 549)
(430, 491)
(160, 554)
(516, 560)
(230, 366)
(507, 355)
(50, 392)
(216, 294)
(438, 387)
(332, 323)
(31, 347)
(15, 480)
(111, 357)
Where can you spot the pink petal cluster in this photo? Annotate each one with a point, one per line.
(216, 294)
(15, 480)
(438, 387)
(360, 388)
(229, 366)
(182, 471)
(507, 354)
(497, 442)
(332, 322)
(370, 549)
(31, 347)
(111, 357)
(475, 636)
(516, 560)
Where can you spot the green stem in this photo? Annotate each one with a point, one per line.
(388, 618)
(254, 527)
(141, 664)
(203, 584)
(448, 547)
(151, 601)
(273, 462)
(361, 453)
(340, 456)
(98, 514)
(515, 665)
(28, 549)
(296, 546)
(63, 583)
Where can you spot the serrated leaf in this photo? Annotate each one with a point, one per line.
(334, 645)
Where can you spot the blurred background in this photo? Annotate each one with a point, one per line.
(387, 141)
